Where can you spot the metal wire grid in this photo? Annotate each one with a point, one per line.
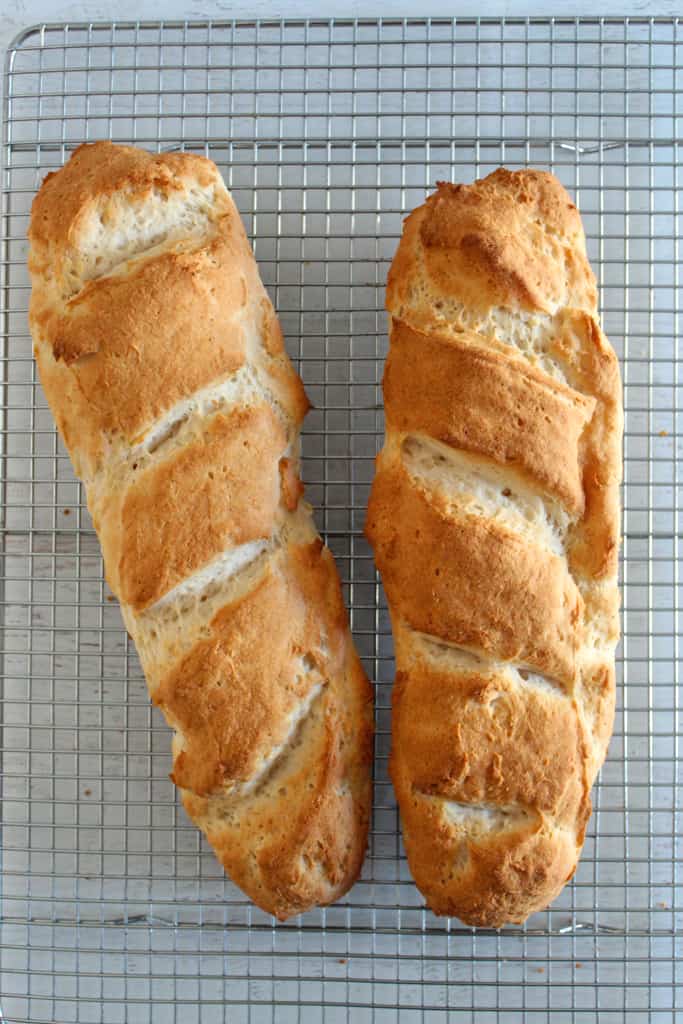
(327, 132)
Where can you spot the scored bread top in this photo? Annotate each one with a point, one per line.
(426, 539)
(109, 203)
(513, 240)
(165, 368)
(494, 518)
(499, 420)
(135, 299)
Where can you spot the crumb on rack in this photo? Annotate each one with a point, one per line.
(88, 792)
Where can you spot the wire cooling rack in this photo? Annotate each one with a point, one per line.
(328, 132)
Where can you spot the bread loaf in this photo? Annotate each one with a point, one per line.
(494, 518)
(164, 365)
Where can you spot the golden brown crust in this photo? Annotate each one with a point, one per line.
(97, 172)
(479, 739)
(299, 837)
(499, 878)
(499, 420)
(511, 239)
(290, 483)
(212, 494)
(198, 284)
(483, 738)
(165, 367)
(591, 366)
(128, 354)
(596, 694)
(232, 695)
(305, 848)
(496, 350)
(119, 354)
(284, 380)
(456, 576)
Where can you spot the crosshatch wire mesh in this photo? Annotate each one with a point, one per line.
(328, 132)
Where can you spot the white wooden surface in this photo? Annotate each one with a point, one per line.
(18, 14)
(121, 782)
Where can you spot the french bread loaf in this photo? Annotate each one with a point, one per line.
(164, 366)
(494, 517)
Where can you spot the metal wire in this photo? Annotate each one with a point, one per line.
(328, 132)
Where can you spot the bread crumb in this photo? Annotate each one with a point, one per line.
(343, 960)
(578, 964)
(662, 905)
(540, 970)
(110, 597)
(663, 433)
(67, 511)
(88, 792)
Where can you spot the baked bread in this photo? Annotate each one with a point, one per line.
(164, 365)
(494, 518)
